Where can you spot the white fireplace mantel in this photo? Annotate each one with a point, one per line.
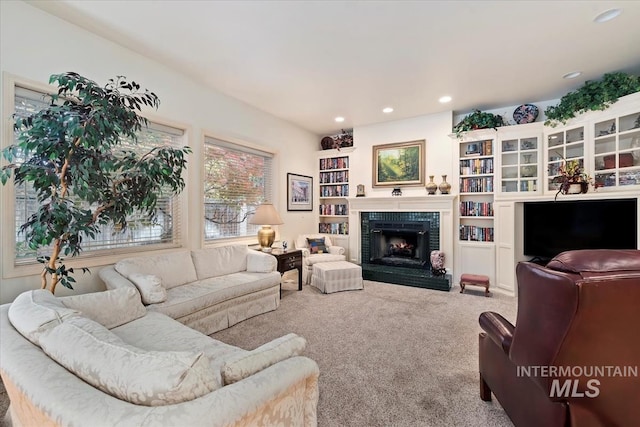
(443, 204)
(434, 203)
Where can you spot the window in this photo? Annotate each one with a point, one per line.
(165, 230)
(237, 180)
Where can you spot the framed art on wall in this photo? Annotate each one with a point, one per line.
(299, 192)
(397, 164)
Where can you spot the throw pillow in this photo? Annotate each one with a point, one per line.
(317, 246)
(109, 308)
(34, 312)
(243, 365)
(149, 378)
(150, 287)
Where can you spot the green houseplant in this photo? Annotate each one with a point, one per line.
(592, 96)
(72, 155)
(572, 178)
(478, 120)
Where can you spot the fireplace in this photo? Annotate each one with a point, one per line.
(395, 248)
(400, 244)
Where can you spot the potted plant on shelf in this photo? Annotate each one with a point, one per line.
(478, 120)
(71, 153)
(592, 96)
(572, 178)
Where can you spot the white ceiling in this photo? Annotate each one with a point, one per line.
(310, 61)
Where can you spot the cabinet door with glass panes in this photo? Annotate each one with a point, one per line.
(616, 151)
(519, 164)
(563, 145)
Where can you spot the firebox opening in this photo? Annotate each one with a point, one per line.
(402, 244)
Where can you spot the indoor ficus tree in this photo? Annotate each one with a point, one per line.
(72, 154)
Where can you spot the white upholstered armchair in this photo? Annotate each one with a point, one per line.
(313, 253)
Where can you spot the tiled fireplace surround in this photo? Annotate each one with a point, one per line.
(436, 209)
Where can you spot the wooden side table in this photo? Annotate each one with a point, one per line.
(289, 260)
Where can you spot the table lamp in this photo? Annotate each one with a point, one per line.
(266, 215)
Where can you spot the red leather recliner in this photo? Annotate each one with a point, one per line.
(577, 316)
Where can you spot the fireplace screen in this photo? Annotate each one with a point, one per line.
(402, 244)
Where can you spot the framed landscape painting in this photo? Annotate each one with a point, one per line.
(299, 192)
(398, 164)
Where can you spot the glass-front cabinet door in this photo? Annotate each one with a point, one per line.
(519, 165)
(616, 151)
(563, 145)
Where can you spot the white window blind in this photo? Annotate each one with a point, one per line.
(165, 230)
(237, 180)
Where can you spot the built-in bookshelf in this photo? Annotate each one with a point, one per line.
(473, 209)
(476, 187)
(474, 233)
(333, 192)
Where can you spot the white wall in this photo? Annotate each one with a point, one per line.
(34, 45)
(433, 128)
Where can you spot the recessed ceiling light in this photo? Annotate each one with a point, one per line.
(444, 99)
(607, 15)
(572, 75)
(339, 119)
(387, 110)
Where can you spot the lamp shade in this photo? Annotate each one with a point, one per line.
(266, 214)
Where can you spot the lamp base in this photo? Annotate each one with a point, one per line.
(266, 237)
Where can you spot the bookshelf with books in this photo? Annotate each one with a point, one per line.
(475, 154)
(333, 211)
(476, 188)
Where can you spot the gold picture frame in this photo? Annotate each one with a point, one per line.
(399, 164)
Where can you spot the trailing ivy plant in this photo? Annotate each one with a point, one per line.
(592, 96)
(478, 120)
(70, 152)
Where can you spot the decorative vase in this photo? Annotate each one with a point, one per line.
(444, 186)
(431, 186)
(437, 263)
(327, 143)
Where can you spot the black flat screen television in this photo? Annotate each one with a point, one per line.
(554, 227)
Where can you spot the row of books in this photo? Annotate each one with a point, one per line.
(476, 166)
(479, 148)
(476, 208)
(334, 190)
(476, 185)
(334, 210)
(476, 234)
(331, 177)
(334, 228)
(334, 163)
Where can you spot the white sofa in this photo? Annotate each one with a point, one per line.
(207, 290)
(102, 360)
(333, 253)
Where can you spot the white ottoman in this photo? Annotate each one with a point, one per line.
(336, 276)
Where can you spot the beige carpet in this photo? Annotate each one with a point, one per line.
(389, 355)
